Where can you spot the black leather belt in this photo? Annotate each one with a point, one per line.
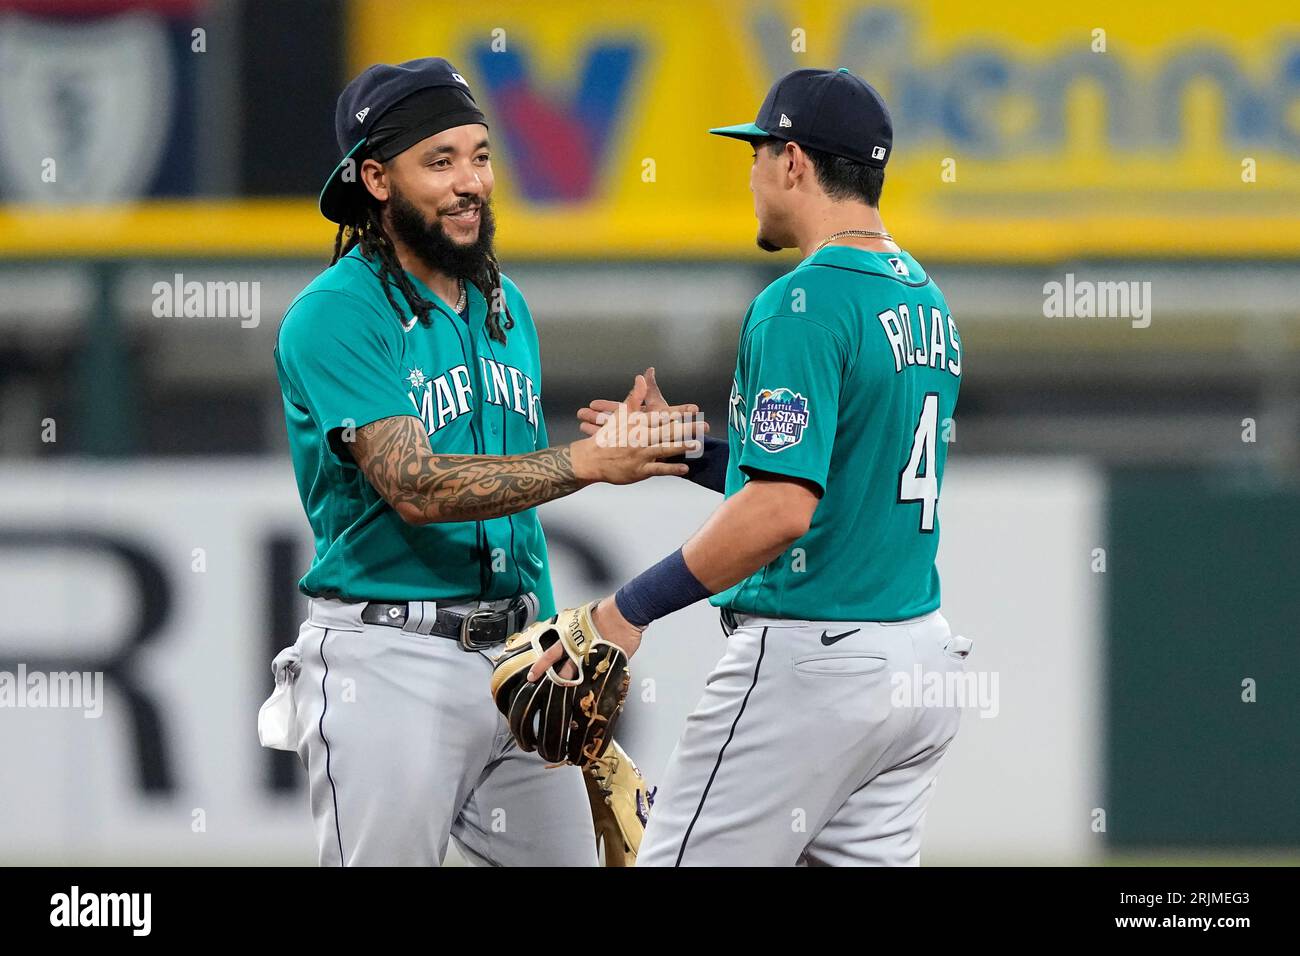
(475, 629)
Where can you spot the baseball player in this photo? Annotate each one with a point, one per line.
(822, 557)
(412, 395)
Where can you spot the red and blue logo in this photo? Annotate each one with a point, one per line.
(559, 148)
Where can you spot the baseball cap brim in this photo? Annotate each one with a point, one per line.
(745, 131)
(339, 194)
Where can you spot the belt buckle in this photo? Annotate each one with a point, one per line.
(472, 623)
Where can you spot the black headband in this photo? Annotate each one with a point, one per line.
(419, 116)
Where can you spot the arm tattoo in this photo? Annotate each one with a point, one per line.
(424, 487)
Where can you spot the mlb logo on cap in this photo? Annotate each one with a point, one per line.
(878, 152)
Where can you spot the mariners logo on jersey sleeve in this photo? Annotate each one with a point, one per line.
(779, 419)
(737, 410)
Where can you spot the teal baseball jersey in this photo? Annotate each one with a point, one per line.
(345, 360)
(847, 377)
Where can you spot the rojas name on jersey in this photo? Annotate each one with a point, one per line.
(938, 347)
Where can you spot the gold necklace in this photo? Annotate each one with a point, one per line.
(860, 233)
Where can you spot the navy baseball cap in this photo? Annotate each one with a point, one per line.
(830, 110)
(388, 109)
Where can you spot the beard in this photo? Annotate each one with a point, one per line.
(766, 245)
(429, 242)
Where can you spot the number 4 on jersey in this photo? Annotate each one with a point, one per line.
(912, 485)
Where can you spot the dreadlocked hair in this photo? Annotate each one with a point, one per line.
(375, 244)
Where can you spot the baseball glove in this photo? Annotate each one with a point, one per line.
(620, 804)
(566, 720)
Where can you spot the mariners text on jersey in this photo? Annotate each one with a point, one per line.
(344, 361)
(444, 398)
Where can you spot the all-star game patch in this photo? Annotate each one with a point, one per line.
(779, 418)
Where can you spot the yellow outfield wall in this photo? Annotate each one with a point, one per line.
(1023, 131)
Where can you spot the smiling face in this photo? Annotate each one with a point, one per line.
(436, 197)
(446, 177)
